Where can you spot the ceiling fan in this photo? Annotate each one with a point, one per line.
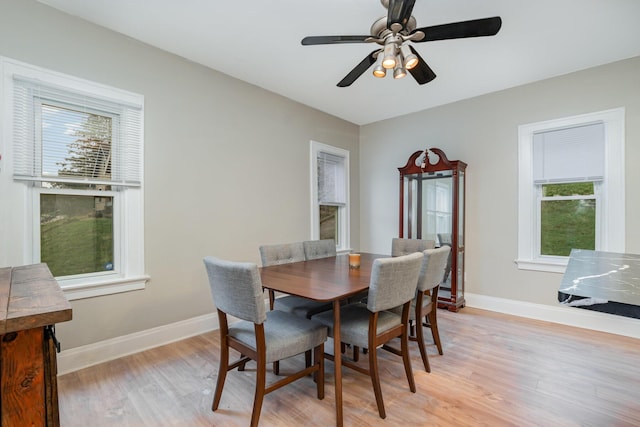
(394, 31)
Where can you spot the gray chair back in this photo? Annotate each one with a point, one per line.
(314, 249)
(281, 254)
(433, 268)
(236, 289)
(444, 238)
(401, 246)
(393, 281)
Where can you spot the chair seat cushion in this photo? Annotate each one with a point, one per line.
(285, 334)
(299, 306)
(354, 323)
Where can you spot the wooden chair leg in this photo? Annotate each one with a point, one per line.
(241, 367)
(422, 347)
(261, 378)
(222, 375)
(319, 359)
(307, 358)
(272, 299)
(433, 324)
(407, 361)
(412, 328)
(375, 381)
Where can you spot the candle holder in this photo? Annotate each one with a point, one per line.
(354, 260)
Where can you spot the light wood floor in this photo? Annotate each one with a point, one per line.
(497, 370)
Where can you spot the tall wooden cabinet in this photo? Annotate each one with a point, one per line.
(31, 303)
(432, 203)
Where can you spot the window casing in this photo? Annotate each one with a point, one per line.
(72, 172)
(602, 206)
(330, 194)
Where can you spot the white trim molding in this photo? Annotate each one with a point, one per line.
(569, 316)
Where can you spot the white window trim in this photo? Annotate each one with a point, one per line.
(16, 225)
(344, 223)
(612, 232)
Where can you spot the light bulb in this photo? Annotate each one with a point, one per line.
(410, 59)
(389, 58)
(379, 71)
(399, 72)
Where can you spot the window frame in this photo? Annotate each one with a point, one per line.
(610, 212)
(20, 228)
(343, 243)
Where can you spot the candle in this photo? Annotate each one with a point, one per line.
(354, 260)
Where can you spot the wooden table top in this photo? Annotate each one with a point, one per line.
(30, 297)
(323, 279)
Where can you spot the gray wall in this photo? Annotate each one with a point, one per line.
(226, 164)
(483, 132)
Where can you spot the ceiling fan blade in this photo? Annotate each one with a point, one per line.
(312, 40)
(399, 12)
(421, 72)
(358, 70)
(459, 30)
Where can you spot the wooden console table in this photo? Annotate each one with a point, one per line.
(31, 303)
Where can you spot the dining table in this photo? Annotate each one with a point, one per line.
(328, 279)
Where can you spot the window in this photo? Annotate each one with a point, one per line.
(72, 172)
(330, 194)
(571, 188)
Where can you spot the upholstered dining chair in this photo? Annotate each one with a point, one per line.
(314, 249)
(260, 335)
(370, 325)
(400, 246)
(445, 239)
(425, 304)
(282, 254)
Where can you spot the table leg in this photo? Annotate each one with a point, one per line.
(337, 360)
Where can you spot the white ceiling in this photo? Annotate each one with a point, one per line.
(258, 41)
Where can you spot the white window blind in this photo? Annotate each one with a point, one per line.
(569, 155)
(111, 136)
(331, 179)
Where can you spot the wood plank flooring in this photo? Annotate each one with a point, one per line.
(497, 370)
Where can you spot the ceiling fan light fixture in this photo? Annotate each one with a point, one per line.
(410, 59)
(379, 71)
(389, 56)
(399, 71)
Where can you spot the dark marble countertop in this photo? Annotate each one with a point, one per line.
(602, 276)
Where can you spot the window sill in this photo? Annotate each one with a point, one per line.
(94, 288)
(542, 265)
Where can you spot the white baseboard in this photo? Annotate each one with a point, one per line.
(103, 351)
(571, 316)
